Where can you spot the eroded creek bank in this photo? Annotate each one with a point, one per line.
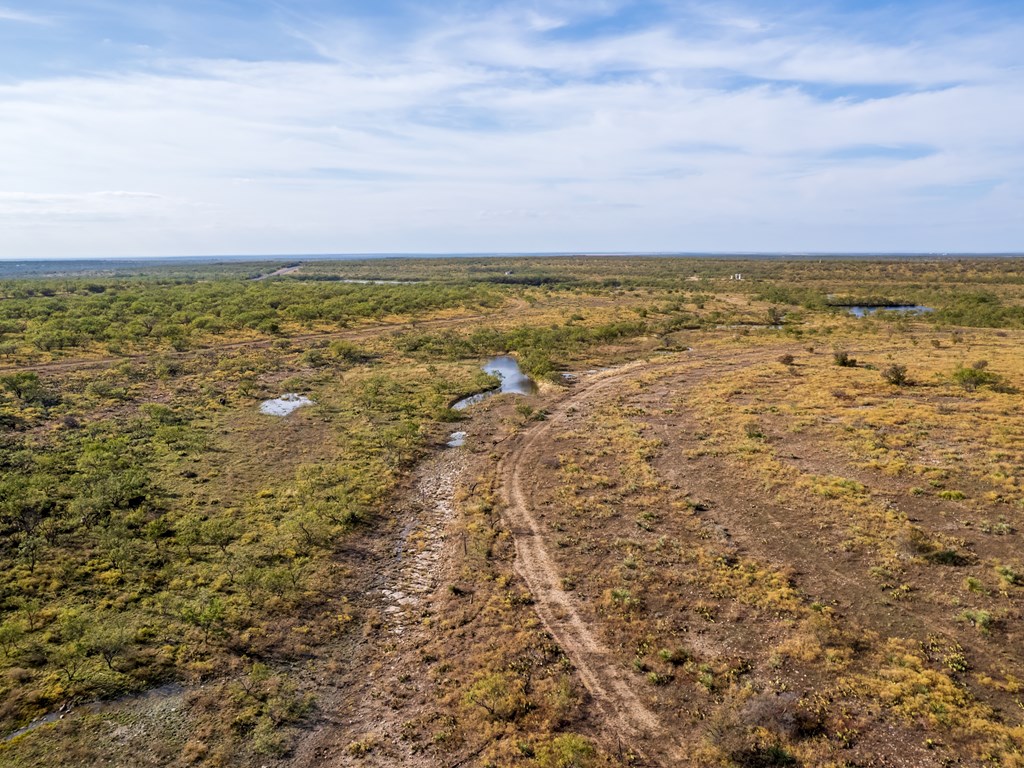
(419, 549)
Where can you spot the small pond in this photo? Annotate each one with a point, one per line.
(456, 439)
(909, 309)
(285, 404)
(513, 382)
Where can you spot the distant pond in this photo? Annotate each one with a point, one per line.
(907, 309)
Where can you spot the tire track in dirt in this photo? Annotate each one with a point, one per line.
(603, 675)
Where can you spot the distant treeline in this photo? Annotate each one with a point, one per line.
(48, 316)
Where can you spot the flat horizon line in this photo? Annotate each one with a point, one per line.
(524, 254)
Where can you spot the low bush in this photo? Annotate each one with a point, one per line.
(896, 374)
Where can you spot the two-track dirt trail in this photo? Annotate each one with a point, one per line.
(762, 529)
(604, 676)
(610, 683)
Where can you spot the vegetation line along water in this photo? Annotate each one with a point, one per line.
(513, 381)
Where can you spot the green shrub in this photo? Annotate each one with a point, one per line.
(895, 374)
(501, 694)
(566, 751)
(1010, 577)
(982, 620)
(970, 379)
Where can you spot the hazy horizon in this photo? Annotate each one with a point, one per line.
(264, 257)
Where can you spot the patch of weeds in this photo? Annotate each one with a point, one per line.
(706, 611)
(956, 662)
(836, 487)
(843, 360)
(1009, 576)
(567, 750)
(975, 585)
(885, 576)
(1000, 528)
(621, 595)
(522, 597)
(656, 678)
(501, 694)
(706, 677)
(526, 749)
(362, 747)
(754, 430)
(981, 620)
(902, 592)
(675, 656)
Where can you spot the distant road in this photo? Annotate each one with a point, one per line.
(281, 271)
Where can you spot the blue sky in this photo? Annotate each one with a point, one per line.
(245, 126)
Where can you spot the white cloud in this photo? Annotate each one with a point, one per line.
(544, 23)
(8, 14)
(486, 135)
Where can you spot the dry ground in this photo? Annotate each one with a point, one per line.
(735, 577)
(707, 557)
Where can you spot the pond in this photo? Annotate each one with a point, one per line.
(909, 309)
(285, 404)
(513, 382)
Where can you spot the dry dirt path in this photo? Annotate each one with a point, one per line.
(604, 676)
(420, 548)
(608, 680)
(615, 690)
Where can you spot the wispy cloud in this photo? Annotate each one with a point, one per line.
(22, 17)
(557, 125)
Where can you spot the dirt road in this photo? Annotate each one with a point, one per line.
(604, 676)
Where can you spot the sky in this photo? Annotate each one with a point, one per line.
(207, 127)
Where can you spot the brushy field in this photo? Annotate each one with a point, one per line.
(799, 538)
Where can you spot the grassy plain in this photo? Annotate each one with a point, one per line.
(786, 535)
